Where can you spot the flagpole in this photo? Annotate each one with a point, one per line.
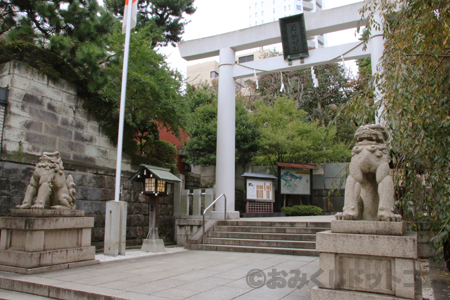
(122, 101)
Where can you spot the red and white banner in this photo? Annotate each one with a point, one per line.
(133, 15)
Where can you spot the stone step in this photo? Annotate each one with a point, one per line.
(271, 229)
(263, 236)
(271, 250)
(261, 243)
(274, 224)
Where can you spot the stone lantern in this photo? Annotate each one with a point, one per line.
(154, 184)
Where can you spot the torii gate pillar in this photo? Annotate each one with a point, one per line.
(225, 45)
(226, 127)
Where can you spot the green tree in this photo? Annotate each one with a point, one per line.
(76, 30)
(322, 103)
(166, 15)
(415, 86)
(153, 95)
(287, 136)
(202, 128)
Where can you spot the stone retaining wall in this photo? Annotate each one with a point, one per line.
(46, 115)
(93, 191)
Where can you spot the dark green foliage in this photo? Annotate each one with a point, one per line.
(202, 128)
(165, 15)
(153, 95)
(158, 153)
(75, 30)
(48, 63)
(302, 210)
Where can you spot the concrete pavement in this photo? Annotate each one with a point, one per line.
(177, 274)
(180, 275)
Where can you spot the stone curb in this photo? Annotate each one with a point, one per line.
(51, 291)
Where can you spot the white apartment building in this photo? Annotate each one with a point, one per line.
(266, 11)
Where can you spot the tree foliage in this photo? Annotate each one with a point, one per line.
(166, 15)
(322, 103)
(414, 81)
(202, 128)
(288, 136)
(153, 95)
(72, 29)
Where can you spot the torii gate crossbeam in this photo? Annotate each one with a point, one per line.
(226, 45)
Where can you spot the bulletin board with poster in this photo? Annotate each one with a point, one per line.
(295, 182)
(260, 193)
(295, 179)
(260, 190)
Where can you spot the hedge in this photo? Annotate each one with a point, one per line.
(302, 210)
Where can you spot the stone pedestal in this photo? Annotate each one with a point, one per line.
(367, 260)
(115, 228)
(153, 246)
(36, 241)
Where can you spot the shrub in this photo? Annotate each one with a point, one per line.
(302, 210)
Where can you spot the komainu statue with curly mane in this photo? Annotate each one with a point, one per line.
(49, 185)
(369, 191)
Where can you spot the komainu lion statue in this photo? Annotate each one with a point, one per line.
(49, 185)
(369, 191)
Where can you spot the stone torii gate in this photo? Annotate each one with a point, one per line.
(226, 45)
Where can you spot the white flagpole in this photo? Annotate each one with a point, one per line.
(122, 101)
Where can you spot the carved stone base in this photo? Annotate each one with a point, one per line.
(367, 266)
(31, 245)
(46, 213)
(153, 246)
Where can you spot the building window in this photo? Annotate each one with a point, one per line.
(285, 8)
(299, 7)
(256, 5)
(256, 14)
(262, 3)
(273, 1)
(262, 13)
(274, 10)
(262, 22)
(289, 7)
(247, 58)
(256, 23)
(214, 74)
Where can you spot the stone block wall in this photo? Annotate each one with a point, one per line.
(93, 190)
(46, 115)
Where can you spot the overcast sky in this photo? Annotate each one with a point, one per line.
(219, 16)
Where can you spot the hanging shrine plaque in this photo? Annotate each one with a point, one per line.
(293, 37)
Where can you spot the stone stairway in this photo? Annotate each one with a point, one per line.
(293, 238)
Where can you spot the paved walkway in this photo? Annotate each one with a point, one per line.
(181, 275)
(177, 274)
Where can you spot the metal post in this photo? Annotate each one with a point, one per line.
(122, 104)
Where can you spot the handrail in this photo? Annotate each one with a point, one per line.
(204, 212)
